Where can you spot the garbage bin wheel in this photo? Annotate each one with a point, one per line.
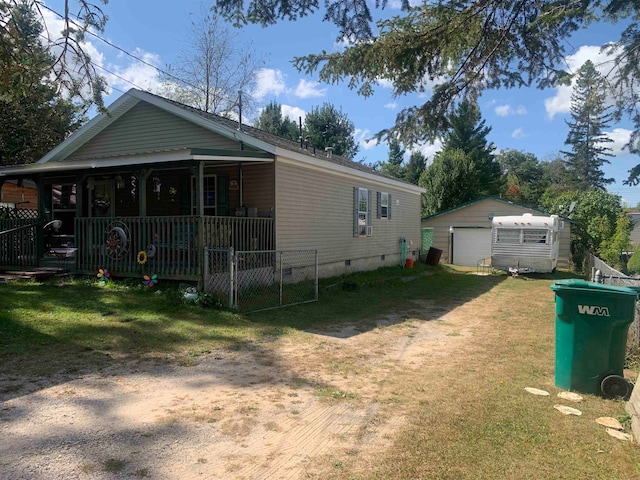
(615, 386)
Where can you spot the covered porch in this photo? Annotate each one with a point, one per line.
(103, 213)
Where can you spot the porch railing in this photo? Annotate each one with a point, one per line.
(18, 243)
(173, 245)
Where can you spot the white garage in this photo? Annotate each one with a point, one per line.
(470, 245)
(471, 223)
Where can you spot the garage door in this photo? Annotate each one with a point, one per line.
(470, 245)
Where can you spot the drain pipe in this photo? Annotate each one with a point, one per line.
(451, 245)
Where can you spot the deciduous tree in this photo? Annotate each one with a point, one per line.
(452, 179)
(213, 67)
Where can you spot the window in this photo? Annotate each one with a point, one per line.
(209, 194)
(534, 236)
(384, 205)
(361, 212)
(508, 235)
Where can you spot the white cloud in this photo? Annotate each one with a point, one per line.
(269, 82)
(620, 137)
(518, 133)
(508, 110)
(385, 83)
(138, 74)
(293, 113)
(428, 149)
(560, 103)
(363, 138)
(391, 105)
(306, 89)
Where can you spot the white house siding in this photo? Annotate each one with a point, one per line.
(477, 215)
(147, 128)
(314, 210)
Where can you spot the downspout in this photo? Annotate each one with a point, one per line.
(451, 245)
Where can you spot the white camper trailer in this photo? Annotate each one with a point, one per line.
(525, 244)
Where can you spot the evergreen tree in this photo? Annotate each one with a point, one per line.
(271, 120)
(34, 117)
(394, 165)
(586, 137)
(415, 167)
(463, 46)
(328, 126)
(467, 132)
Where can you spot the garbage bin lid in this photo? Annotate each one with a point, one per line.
(582, 285)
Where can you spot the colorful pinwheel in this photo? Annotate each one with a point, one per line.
(103, 274)
(150, 281)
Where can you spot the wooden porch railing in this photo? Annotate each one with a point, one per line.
(174, 245)
(18, 243)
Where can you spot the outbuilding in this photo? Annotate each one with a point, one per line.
(463, 233)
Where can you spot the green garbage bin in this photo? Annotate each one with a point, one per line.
(592, 321)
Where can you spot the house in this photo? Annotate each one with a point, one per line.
(155, 176)
(468, 228)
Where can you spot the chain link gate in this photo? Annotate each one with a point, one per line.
(260, 280)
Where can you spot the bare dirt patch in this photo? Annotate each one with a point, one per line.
(290, 408)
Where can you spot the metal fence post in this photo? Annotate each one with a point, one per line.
(281, 283)
(316, 279)
(205, 270)
(231, 284)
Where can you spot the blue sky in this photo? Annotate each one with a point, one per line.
(530, 120)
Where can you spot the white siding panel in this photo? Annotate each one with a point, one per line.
(314, 209)
(147, 128)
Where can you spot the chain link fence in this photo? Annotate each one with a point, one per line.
(611, 276)
(260, 280)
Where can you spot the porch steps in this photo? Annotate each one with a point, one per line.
(37, 274)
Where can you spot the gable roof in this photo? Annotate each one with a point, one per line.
(490, 197)
(252, 137)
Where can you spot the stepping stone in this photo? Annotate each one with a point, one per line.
(536, 391)
(610, 422)
(625, 437)
(572, 397)
(567, 410)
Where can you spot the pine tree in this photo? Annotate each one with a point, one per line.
(590, 117)
(468, 133)
(328, 126)
(34, 116)
(271, 120)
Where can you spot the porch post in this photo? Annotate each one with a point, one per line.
(141, 178)
(42, 211)
(200, 189)
(80, 195)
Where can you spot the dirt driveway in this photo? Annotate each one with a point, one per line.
(287, 408)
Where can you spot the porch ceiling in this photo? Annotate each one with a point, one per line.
(158, 158)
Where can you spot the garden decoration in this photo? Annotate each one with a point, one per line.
(104, 275)
(117, 240)
(151, 250)
(150, 281)
(142, 257)
(191, 294)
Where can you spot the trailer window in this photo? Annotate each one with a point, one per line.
(535, 236)
(508, 235)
